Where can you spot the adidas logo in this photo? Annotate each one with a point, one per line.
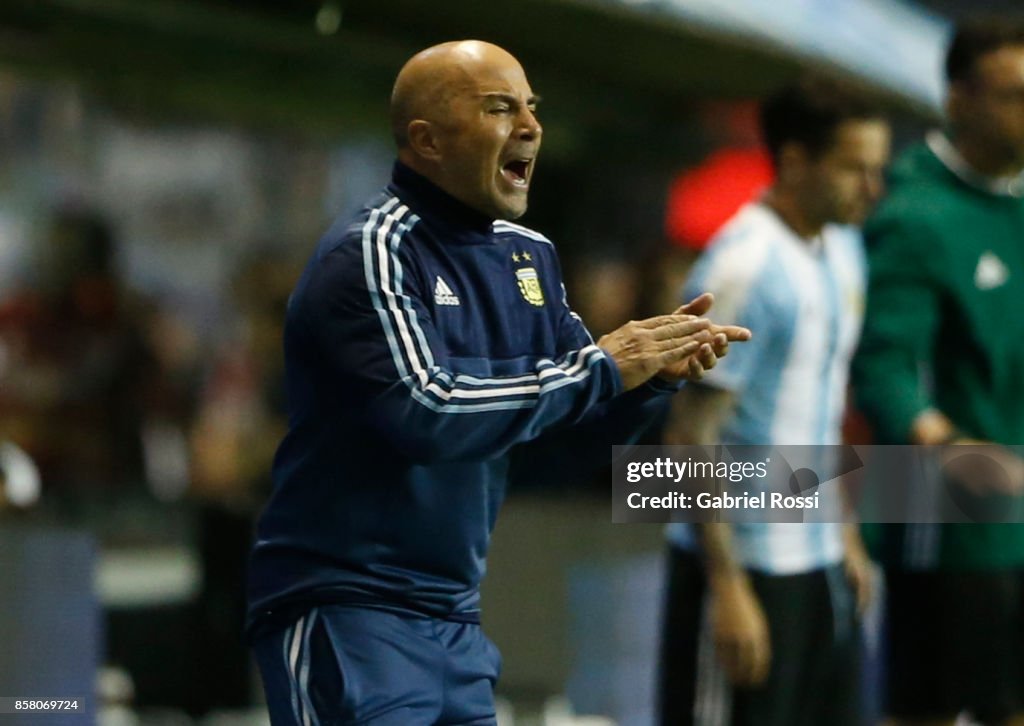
(443, 294)
(990, 272)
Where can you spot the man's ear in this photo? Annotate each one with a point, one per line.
(423, 140)
(792, 162)
(957, 102)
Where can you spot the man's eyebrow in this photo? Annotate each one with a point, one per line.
(508, 97)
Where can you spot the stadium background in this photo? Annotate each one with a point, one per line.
(168, 164)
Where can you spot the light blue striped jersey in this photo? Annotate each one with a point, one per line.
(804, 301)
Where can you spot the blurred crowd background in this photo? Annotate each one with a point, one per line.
(167, 166)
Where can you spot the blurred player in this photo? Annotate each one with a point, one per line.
(783, 598)
(427, 343)
(942, 361)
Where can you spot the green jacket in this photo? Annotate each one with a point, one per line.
(945, 328)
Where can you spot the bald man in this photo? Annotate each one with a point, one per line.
(432, 359)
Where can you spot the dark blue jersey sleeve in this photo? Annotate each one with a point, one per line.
(564, 454)
(365, 307)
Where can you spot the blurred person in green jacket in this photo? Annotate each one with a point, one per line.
(942, 361)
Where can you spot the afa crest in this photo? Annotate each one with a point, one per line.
(529, 286)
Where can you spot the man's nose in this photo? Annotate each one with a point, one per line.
(530, 128)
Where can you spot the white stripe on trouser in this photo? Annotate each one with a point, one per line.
(296, 652)
(840, 596)
(303, 675)
(713, 696)
(292, 642)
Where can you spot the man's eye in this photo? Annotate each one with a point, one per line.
(500, 109)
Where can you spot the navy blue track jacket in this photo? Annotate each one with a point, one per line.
(431, 357)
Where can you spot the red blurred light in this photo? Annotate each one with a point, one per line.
(703, 198)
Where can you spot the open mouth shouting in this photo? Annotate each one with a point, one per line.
(517, 171)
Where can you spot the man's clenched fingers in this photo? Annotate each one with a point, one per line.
(733, 333)
(681, 329)
(660, 321)
(698, 306)
(678, 352)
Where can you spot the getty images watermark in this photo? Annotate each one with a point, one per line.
(977, 483)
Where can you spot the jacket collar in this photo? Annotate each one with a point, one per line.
(946, 152)
(438, 208)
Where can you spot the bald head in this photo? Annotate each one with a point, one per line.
(433, 77)
(462, 115)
